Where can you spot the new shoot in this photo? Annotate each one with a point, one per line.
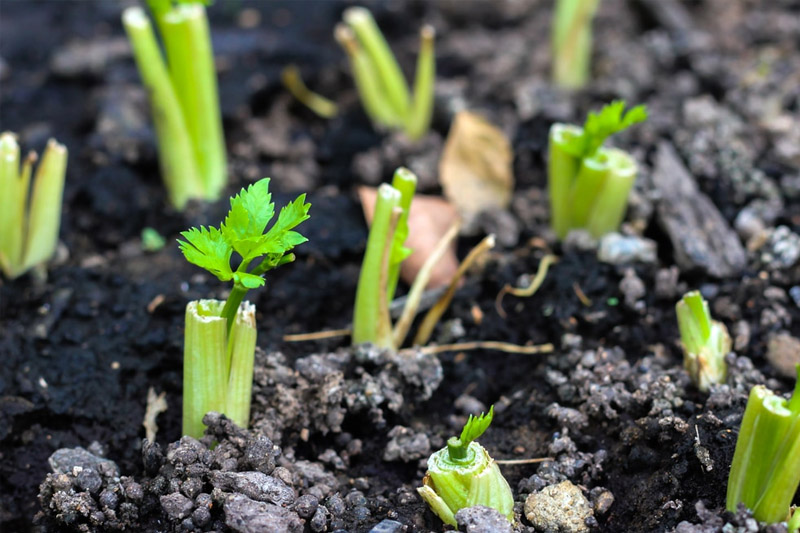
(183, 97)
(705, 342)
(30, 210)
(380, 270)
(463, 474)
(765, 472)
(220, 337)
(589, 184)
(380, 82)
(572, 42)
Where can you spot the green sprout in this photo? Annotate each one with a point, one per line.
(380, 82)
(765, 472)
(589, 184)
(30, 213)
(572, 42)
(152, 241)
(385, 252)
(794, 521)
(463, 474)
(706, 342)
(220, 337)
(183, 97)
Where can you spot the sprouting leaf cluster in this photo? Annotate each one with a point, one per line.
(476, 426)
(243, 232)
(601, 125)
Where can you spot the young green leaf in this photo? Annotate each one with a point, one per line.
(251, 210)
(247, 280)
(208, 249)
(476, 426)
(291, 215)
(601, 125)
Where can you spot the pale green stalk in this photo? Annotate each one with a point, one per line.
(241, 348)
(765, 472)
(29, 219)
(562, 169)
(369, 88)
(404, 181)
(371, 321)
(609, 207)
(572, 42)
(187, 42)
(794, 521)
(588, 183)
(217, 366)
(706, 342)
(204, 363)
(12, 205)
(176, 154)
(44, 215)
(421, 109)
(372, 40)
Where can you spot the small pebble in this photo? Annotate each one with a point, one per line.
(562, 508)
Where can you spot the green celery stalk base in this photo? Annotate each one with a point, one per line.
(765, 472)
(187, 42)
(217, 368)
(371, 321)
(561, 171)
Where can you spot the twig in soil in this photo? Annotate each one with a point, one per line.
(323, 107)
(415, 294)
(156, 404)
(523, 461)
(506, 347)
(432, 317)
(528, 291)
(581, 295)
(318, 335)
(154, 303)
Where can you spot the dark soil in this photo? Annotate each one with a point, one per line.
(612, 406)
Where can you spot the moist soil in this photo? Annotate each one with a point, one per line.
(341, 435)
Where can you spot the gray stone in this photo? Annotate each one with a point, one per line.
(619, 249)
(406, 445)
(89, 58)
(177, 506)
(249, 516)
(560, 508)
(387, 526)
(700, 236)
(481, 519)
(783, 353)
(67, 460)
(255, 485)
(782, 249)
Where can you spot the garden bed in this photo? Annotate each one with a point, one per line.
(611, 407)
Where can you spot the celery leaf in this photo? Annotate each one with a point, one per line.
(247, 280)
(208, 249)
(475, 427)
(251, 210)
(601, 125)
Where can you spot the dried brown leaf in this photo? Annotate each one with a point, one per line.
(476, 166)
